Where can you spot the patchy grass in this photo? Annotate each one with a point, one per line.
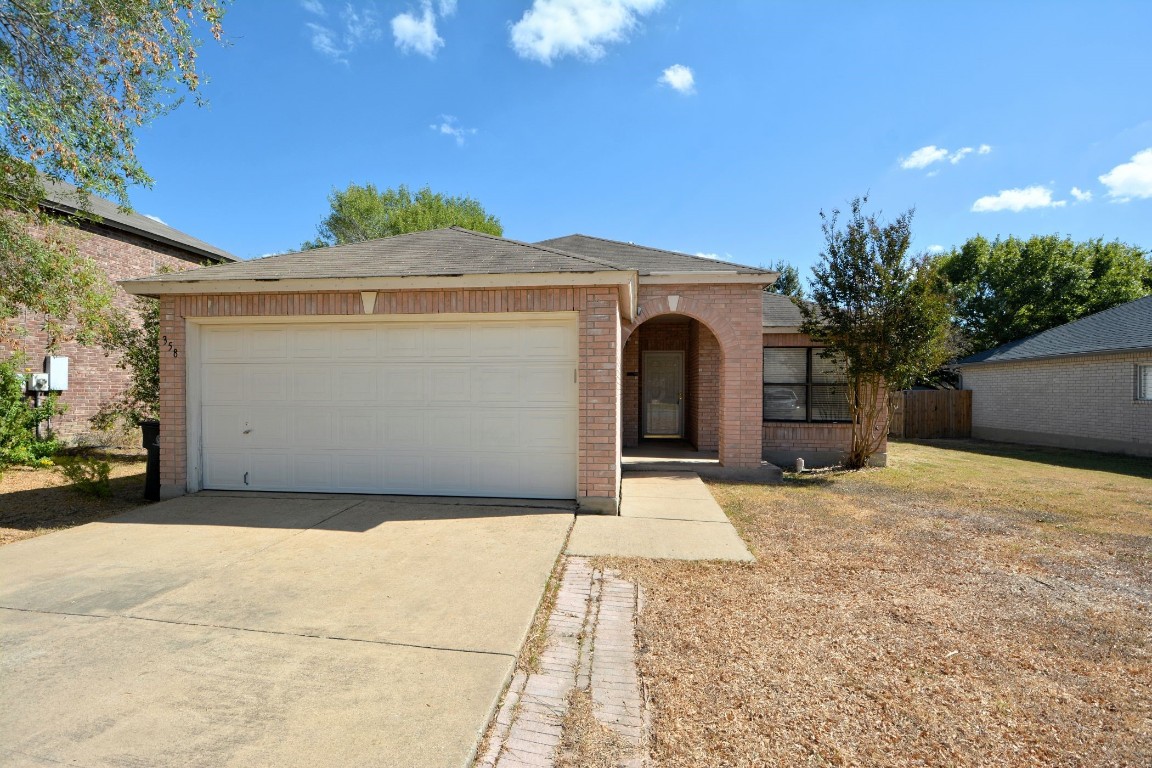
(528, 661)
(38, 501)
(972, 604)
(585, 742)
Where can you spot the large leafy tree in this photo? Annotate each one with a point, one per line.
(880, 311)
(366, 213)
(1012, 288)
(77, 78)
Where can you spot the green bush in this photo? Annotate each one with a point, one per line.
(18, 420)
(88, 475)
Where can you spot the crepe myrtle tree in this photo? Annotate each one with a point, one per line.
(77, 78)
(880, 311)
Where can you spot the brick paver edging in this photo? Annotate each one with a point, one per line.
(591, 644)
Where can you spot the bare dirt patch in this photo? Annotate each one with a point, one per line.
(970, 605)
(38, 501)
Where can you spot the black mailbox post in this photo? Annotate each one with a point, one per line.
(151, 430)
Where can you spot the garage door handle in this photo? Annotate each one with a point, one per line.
(245, 478)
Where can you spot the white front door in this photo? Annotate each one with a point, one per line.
(484, 407)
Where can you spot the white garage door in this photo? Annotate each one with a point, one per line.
(471, 408)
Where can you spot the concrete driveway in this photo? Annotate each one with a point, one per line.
(264, 630)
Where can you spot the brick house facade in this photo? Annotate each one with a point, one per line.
(124, 246)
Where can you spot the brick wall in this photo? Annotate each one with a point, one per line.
(1085, 402)
(706, 393)
(598, 376)
(817, 444)
(93, 377)
(732, 313)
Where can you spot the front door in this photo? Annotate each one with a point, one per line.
(663, 394)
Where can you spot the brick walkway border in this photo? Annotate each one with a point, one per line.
(591, 645)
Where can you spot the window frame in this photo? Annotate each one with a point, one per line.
(1143, 370)
(808, 385)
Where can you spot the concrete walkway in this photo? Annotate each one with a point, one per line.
(668, 515)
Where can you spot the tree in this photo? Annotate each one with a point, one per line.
(789, 281)
(77, 78)
(364, 213)
(138, 347)
(879, 311)
(1008, 289)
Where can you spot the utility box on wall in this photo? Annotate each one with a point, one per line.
(37, 382)
(57, 370)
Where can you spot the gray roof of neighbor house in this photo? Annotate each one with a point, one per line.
(65, 198)
(1119, 329)
(449, 252)
(780, 312)
(645, 260)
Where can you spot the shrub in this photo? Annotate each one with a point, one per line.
(88, 475)
(19, 418)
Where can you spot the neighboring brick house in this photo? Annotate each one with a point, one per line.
(124, 245)
(1086, 384)
(452, 362)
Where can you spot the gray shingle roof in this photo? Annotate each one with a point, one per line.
(65, 198)
(780, 312)
(1125, 327)
(448, 252)
(644, 260)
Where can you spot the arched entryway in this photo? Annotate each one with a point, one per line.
(671, 385)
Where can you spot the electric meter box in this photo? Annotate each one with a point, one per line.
(57, 370)
(37, 382)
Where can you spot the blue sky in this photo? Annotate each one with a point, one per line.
(718, 127)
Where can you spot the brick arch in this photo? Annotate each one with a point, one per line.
(740, 436)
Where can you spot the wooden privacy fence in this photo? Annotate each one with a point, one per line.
(931, 413)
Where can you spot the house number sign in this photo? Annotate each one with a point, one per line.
(171, 347)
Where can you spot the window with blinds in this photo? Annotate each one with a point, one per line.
(800, 384)
(1144, 382)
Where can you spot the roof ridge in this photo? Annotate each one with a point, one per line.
(537, 246)
(662, 250)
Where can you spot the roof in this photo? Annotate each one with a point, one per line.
(1122, 328)
(65, 198)
(780, 311)
(449, 252)
(645, 260)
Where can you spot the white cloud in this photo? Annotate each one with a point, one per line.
(449, 126)
(313, 6)
(418, 35)
(1018, 200)
(924, 157)
(552, 29)
(708, 255)
(355, 28)
(1131, 179)
(446, 8)
(936, 249)
(155, 218)
(959, 155)
(679, 78)
(1081, 196)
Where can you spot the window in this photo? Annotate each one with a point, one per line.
(802, 385)
(1144, 382)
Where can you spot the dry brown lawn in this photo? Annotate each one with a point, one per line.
(38, 501)
(971, 605)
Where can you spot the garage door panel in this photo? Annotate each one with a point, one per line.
(402, 385)
(268, 343)
(453, 408)
(449, 384)
(311, 344)
(401, 341)
(402, 429)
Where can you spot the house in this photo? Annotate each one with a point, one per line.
(452, 362)
(1086, 384)
(124, 245)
